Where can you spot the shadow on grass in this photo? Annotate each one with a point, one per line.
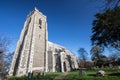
(91, 75)
(114, 74)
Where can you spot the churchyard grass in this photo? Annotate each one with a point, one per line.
(48, 76)
(111, 74)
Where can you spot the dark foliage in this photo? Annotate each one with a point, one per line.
(106, 28)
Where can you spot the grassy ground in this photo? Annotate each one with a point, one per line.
(48, 76)
(90, 75)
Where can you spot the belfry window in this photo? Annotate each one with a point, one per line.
(40, 21)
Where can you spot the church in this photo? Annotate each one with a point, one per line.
(34, 53)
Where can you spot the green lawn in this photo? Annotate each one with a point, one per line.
(48, 76)
(90, 75)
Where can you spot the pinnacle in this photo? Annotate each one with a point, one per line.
(36, 9)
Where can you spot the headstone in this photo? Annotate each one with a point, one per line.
(100, 73)
(30, 74)
(82, 72)
(118, 67)
(110, 66)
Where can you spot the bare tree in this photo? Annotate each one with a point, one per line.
(107, 4)
(82, 57)
(82, 54)
(5, 56)
(111, 3)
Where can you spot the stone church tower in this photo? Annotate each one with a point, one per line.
(30, 53)
(34, 53)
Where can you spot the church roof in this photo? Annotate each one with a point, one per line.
(53, 45)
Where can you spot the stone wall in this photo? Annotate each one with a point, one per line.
(63, 59)
(30, 53)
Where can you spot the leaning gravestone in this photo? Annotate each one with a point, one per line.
(100, 73)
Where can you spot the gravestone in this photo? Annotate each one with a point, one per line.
(82, 72)
(100, 73)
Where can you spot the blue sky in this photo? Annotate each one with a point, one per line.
(69, 21)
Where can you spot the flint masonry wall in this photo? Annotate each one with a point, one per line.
(30, 54)
(63, 59)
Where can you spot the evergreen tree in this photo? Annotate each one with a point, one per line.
(106, 29)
